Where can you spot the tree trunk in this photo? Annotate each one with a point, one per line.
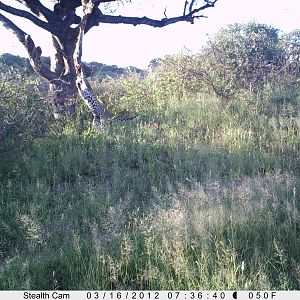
(63, 90)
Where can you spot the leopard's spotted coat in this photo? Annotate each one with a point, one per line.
(101, 117)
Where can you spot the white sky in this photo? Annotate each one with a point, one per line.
(126, 45)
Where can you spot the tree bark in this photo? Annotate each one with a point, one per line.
(63, 89)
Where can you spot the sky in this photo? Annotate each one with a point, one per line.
(127, 45)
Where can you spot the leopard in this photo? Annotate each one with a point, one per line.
(101, 118)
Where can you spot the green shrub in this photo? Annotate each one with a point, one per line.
(24, 112)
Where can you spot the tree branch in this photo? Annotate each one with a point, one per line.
(28, 16)
(207, 5)
(97, 17)
(33, 51)
(185, 6)
(78, 49)
(144, 20)
(38, 8)
(191, 5)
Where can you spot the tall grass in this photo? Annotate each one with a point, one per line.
(197, 195)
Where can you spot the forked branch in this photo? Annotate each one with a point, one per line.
(33, 51)
(37, 8)
(27, 15)
(192, 14)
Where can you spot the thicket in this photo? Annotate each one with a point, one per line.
(25, 113)
(240, 57)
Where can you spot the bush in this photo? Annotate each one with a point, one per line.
(242, 56)
(23, 111)
(176, 75)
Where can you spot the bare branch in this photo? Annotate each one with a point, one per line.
(38, 8)
(97, 17)
(33, 51)
(78, 49)
(145, 21)
(28, 16)
(207, 5)
(97, 2)
(165, 13)
(185, 6)
(191, 5)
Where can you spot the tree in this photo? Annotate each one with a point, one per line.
(67, 30)
(242, 56)
(290, 43)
